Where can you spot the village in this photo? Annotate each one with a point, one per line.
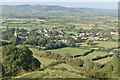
(60, 35)
(53, 41)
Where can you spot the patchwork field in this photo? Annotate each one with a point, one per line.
(44, 61)
(71, 51)
(102, 61)
(105, 44)
(67, 66)
(93, 55)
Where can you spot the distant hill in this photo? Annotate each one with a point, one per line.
(52, 10)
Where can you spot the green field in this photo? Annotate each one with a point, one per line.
(108, 27)
(115, 37)
(93, 55)
(102, 61)
(71, 51)
(67, 66)
(44, 61)
(47, 73)
(84, 26)
(51, 74)
(105, 44)
(70, 32)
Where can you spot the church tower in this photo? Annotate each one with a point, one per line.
(15, 33)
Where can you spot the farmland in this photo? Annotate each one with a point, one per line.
(48, 41)
(44, 61)
(70, 51)
(103, 61)
(51, 73)
(94, 54)
(103, 44)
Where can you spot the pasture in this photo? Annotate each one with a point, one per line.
(44, 61)
(105, 44)
(51, 73)
(69, 50)
(93, 55)
(104, 60)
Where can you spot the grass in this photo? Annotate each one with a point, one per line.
(71, 51)
(69, 32)
(48, 26)
(44, 61)
(105, 44)
(109, 27)
(84, 26)
(93, 55)
(48, 73)
(102, 61)
(67, 66)
(51, 74)
(6, 41)
(115, 37)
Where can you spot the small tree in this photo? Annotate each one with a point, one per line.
(89, 42)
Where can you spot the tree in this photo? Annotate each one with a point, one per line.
(89, 42)
(16, 60)
(42, 42)
(15, 40)
(76, 62)
(59, 44)
(71, 43)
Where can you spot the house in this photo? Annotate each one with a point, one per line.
(59, 36)
(45, 30)
(75, 37)
(47, 35)
(114, 33)
(56, 30)
(92, 25)
(81, 34)
(111, 52)
(65, 41)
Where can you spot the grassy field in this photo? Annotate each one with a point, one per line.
(115, 37)
(48, 26)
(69, 32)
(102, 61)
(84, 26)
(51, 74)
(44, 61)
(108, 27)
(67, 66)
(93, 55)
(71, 51)
(48, 73)
(106, 44)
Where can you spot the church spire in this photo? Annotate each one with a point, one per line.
(15, 34)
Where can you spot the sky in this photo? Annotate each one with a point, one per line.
(60, 0)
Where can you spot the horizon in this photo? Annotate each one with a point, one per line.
(95, 5)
